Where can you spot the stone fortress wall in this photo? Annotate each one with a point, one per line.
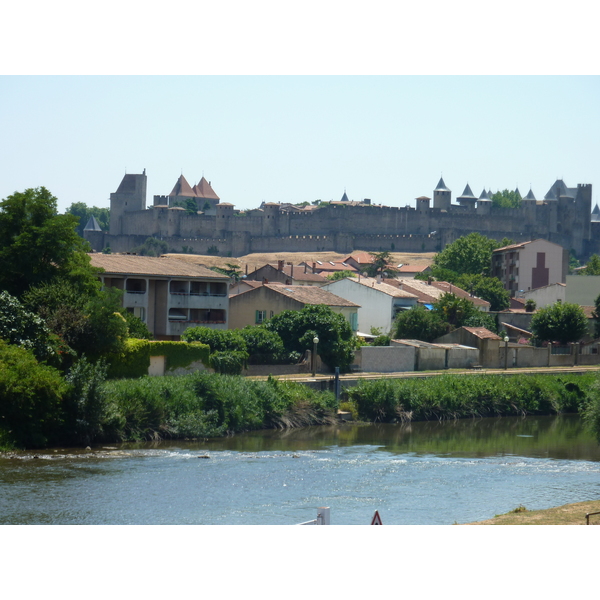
(562, 217)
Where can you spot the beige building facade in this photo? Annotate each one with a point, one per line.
(169, 295)
(257, 305)
(530, 265)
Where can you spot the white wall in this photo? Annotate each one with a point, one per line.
(545, 296)
(376, 308)
(583, 289)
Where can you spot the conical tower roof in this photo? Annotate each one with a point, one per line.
(558, 189)
(441, 186)
(182, 188)
(345, 198)
(204, 190)
(467, 193)
(530, 195)
(93, 225)
(484, 195)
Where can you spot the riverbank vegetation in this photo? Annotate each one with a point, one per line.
(84, 407)
(460, 396)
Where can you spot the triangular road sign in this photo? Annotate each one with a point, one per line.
(376, 520)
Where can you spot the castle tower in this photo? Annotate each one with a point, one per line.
(129, 197)
(484, 204)
(467, 198)
(206, 197)
(423, 203)
(442, 196)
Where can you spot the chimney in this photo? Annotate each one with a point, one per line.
(429, 281)
(305, 265)
(292, 271)
(246, 269)
(314, 266)
(280, 265)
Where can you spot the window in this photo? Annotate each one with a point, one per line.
(261, 316)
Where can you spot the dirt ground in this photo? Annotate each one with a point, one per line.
(569, 514)
(254, 261)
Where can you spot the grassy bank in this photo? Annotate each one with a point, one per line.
(205, 405)
(460, 396)
(569, 514)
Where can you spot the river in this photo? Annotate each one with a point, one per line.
(422, 473)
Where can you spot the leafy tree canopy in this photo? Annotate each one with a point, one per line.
(418, 323)
(486, 288)
(297, 328)
(470, 254)
(232, 271)
(381, 265)
(506, 199)
(84, 212)
(23, 328)
(592, 267)
(337, 275)
(152, 247)
(37, 244)
(454, 310)
(561, 322)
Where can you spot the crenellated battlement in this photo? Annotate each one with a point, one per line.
(562, 217)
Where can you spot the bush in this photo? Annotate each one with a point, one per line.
(209, 405)
(297, 328)
(451, 396)
(30, 399)
(85, 402)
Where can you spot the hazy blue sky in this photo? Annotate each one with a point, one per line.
(286, 102)
(296, 138)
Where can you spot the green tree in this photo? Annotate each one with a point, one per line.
(507, 199)
(30, 399)
(489, 289)
(84, 212)
(23, 328)
(561, 322)
(37, 244)
(573, 262)
(297, 328)
(136, 328)
(232, 271)
(381, 265)
(337, 275)
(262, 343)
(596, 315)
(592, 267)
(454, 310)
(191, 208)
(152, 247)
(468, 254)
(418, 323)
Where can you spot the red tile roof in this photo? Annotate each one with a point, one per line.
(482, 333)
(204, 190)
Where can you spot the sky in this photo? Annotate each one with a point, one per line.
(298, 138)
(292, 108)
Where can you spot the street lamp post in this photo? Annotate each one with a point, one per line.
(314, 356)
(505, 352)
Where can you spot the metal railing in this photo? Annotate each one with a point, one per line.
(587, 517)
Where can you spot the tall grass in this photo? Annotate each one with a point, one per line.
(456, 396)
(208, 405)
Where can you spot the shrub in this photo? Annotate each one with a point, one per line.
(30, 398)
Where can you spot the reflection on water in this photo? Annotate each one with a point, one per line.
(416, 473)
